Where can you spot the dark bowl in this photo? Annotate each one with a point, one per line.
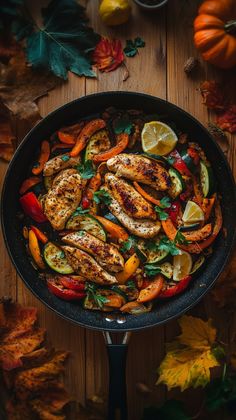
(17, 171)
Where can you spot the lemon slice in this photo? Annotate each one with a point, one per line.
(182, 265)
(192, 213)
(158, 138)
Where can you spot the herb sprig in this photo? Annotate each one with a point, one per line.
(79, 211)
(102, 196)
(93, 295)
(180, 239)
(86, 170)
(164, 204)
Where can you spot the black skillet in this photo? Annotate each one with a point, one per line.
(164, 311)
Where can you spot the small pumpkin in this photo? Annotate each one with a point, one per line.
(215, 32)
(114, 12)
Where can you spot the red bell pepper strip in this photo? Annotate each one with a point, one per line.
(179, 164)
(29, 183)
(40, 235)
(70, 283)
(175, 290)
(31, 206)
(173, 211)
(57, 289)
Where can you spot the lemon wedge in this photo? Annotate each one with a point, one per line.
(192, 213)
(158, 138)
(182, 264)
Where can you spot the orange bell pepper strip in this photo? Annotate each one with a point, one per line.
(69, 134)
(122, 143)
(93, 186)
(61, 146)
(35, 250)
(116, 231)
(207, 206)
(66, 137)
(40, 235)
(43, 158)
(196, 235)
(130, 268)
(87, 131)
(29, 183)
(145, 194)
(152, 290)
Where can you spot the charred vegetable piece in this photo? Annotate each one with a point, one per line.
(29, 183)
(136, 308)
(55, 258)
(98, 143)
(32, 207)
(122, 143)
(130, 268)
(87, 131)
(177, 183)
(72, 283)
(198, 264)
(35, 250)
(152, 290)
(116, 231)
(56, 287)
(175, 290)
(40, 235)
(42, 159)
(87, 223)
(179, 164)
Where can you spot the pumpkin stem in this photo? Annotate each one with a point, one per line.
(230, 27)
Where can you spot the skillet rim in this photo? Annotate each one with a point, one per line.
(110, 326)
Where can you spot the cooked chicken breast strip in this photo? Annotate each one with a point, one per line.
(60, 202)
(140, 169)
(63, 174)
(129, 199)
(86, 266)
(143, 228)
(106, 255)
(60, 162)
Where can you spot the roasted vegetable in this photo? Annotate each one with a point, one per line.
(31, 206)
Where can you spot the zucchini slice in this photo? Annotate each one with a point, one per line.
(88, 223)
(55, 258)
(200, 261)
(99, 142)
(177, 183)
(206, 179)
(167, 270)
(153, 256)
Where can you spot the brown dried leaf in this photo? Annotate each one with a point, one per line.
(212, 95)
(17, 320)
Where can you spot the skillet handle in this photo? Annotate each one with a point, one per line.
(117, 402)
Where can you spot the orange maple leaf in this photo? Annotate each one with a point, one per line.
(108, 54)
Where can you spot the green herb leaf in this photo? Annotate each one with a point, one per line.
(161, 213)
(131, 47)
(180, 239)
(127, 245)
(152, 269)
(170, 160)
(65, 158)
(122, 125)
(131, 284)
(102, 196)
(86, 170)
(139, 42)
(165, 203)
(170, 410)
(93, 295)
(166, 244)
(79, 211)
(64, 42)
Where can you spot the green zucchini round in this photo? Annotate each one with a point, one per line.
(88, 223)
(56, 260)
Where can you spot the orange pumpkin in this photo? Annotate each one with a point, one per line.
(215, 32)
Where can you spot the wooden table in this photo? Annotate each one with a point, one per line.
(157, 70)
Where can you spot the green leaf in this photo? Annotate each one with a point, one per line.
(131, 47)
(161, 213)
(139, 42)
(65, 158)
(127, 245)
(92, 294)
(86, 170)
(64, 42)
(180, 239)
(166, 244)
(170, 410)
(79, 211)
(123, 125)
(102, 196)
(131, 284)
(221, 393)
(152, 269)
(165, 203)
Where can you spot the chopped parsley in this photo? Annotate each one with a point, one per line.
(180, 239)
(131, 284)
(65, 158)
(127, 245)
(123, 125)
(169, 246)
(94, 295)
(152, 269)
(161, 213)
(86, 170)
(102, 196)
(79, 211)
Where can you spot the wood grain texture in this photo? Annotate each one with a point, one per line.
(157, 70)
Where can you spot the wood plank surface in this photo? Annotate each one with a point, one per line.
(157, 70)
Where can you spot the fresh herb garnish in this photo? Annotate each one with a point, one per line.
(161, 213)
(180, 239)
(127, 245)
(169, 246)
(62, 254)
(79, 211)
(165, 203)
(131, 47)
(152, 269)
(102, 196)
(93, 295)
(170, 160)
(65, 158)
(131, 284)
(122, 125)
(86, 170)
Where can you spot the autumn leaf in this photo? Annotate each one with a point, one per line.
(108, 54)
(190, 356)
(212, 95)
(227, 120)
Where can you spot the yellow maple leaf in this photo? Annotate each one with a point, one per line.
(190, 355)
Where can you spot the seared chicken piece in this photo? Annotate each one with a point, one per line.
(129, 199)
(105, 254)
(58, 163)
(61, 201)
(140, 169)
(85, 265)
(63, 174)
(143, 228)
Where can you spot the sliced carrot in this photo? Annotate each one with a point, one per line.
(207, 206)
(122, 143)
(152, 290)
(40, 235)
(35, 250)
(87, 131)
(29, 183)
(114, 301)
(145, 194)
(130, 268)
(43, 158)
(115, 231)
(199, 234)
(61, 146)
(66, 137)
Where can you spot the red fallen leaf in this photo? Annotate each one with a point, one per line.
(108, 54)
(227, 120)
(212, 95)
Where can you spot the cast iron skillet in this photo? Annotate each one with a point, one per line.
(164, 311)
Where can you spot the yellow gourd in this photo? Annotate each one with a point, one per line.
(114, 12)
